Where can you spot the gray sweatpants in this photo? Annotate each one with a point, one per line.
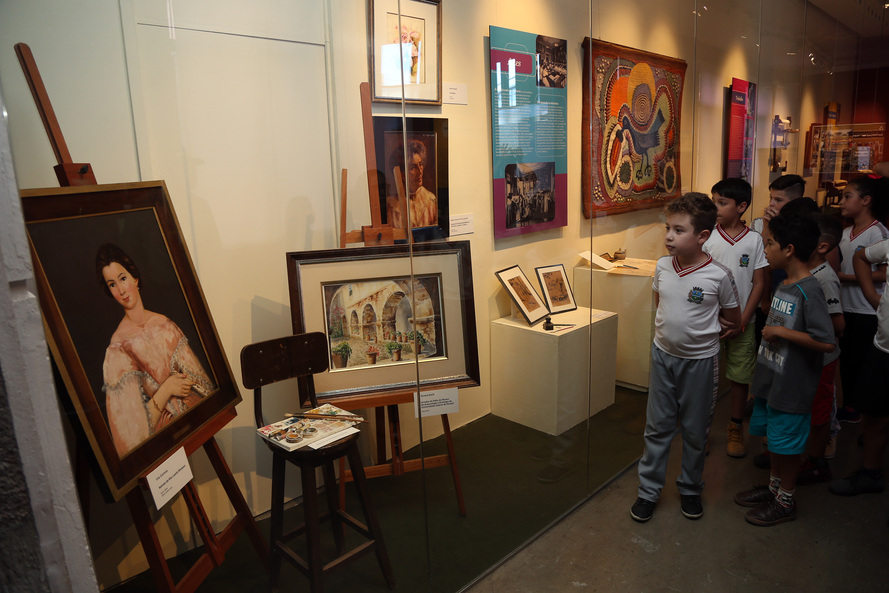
(681, 391)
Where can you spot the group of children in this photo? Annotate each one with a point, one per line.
(769, 297)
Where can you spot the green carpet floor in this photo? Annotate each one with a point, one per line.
(516, 482)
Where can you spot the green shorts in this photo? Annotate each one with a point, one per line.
(740, 356)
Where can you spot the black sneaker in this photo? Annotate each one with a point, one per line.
(691, 506)
(642, 510)
(754, 497)
(771, 513)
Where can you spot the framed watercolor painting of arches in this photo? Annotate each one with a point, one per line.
(632, 102)
(383, 312)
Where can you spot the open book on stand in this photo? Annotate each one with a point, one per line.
(297, 432)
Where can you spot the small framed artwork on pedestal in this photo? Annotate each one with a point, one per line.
(523, 294)
(556, 289)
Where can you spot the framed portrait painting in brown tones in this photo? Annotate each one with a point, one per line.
(127, 323)
(424, 177)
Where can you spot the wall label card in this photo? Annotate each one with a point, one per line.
(529, 100)
(462, 224)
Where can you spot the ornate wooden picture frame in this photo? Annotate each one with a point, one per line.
(140, 387)
(418, 301)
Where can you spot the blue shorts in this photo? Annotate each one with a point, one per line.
(787, 433)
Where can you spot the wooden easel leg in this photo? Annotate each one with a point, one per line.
(395, 441)
(163, 580)
(211, 447)
(452, 461)
(202, 523)
(380, 423)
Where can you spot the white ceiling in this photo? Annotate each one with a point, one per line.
(868, 18)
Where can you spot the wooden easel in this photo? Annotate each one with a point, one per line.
(386, 403)
(70, 174)
(377, 233)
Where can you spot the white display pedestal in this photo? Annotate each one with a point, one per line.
(627, 292)
(541, 379)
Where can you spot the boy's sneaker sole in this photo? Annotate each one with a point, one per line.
(642, 510)
(691, 506)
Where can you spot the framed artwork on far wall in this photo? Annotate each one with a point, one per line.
(127, 323)
(405, 48)
(424, 178)
(556, 289)
(523, 294)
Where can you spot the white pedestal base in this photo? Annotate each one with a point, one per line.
(541, 379)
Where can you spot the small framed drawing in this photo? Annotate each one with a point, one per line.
(405, 47)
(127, 323)
(556, 289)
(523, 294)
(384, 311)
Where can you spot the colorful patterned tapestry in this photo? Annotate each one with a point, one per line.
(630, 132)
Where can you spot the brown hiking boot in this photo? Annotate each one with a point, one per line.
(734, 440)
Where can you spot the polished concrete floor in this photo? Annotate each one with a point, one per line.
(836, 544)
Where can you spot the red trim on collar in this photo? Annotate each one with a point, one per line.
(729, 239)
(685, 272)
(853, 235)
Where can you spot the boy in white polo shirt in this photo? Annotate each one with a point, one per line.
(691, 288)
(739, 249)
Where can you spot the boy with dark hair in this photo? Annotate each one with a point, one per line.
(741, 251)
(788, 367)
(782, 191)
(690, 289)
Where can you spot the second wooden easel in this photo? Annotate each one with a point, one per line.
(386, 404)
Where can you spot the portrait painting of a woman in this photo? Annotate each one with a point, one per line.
(151, 375)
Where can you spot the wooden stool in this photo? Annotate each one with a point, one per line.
(300, 357)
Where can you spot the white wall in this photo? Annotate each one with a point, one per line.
(250, 110)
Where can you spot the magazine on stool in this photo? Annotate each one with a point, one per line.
(311, 428)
